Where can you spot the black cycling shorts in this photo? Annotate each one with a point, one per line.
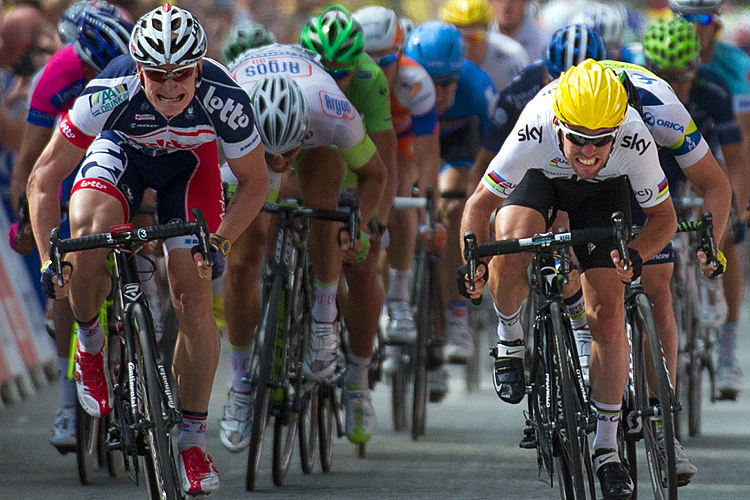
(588, 204)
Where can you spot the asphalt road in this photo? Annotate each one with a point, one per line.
(470, 451)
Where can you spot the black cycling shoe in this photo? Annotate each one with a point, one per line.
(614, 478)
(509, 380)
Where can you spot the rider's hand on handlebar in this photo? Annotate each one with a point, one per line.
(361, 246)
(49, 280)
(462, 280)
(216, 270)
(707, 267)
(634, 269)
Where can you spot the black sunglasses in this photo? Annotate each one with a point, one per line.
(581, 140)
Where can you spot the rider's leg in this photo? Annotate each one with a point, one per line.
(656, 281)
(459, 342)
(729, 377)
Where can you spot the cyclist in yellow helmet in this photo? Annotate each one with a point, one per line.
(501, 57)
(575, 148)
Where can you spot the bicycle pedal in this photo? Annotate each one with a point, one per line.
(528, 441)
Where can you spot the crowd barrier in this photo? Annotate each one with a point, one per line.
(27, 353)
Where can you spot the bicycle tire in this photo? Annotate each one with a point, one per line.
(540, 413)
(87, 446)
(567, 436)
(284, 436)
(160, 463)
(308, 429)
(399, 394)
(423, 324)
(663, 477)
(326, 422)
(260, 367)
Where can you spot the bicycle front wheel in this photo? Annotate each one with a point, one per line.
(399, 392)
(160, 467)
(308, 429)
(423, 324)
(284, 436)
(572, 444)
(656, 412)
(259, 374)
(327, 408)
(87, 444)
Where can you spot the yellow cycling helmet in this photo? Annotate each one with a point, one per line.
(466, 12)
(590, 96)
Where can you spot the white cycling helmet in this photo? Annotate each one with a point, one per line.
(695, 6)
(281, 113)
(407, 25)
(607, 20)
(168, 35)
(381, 26)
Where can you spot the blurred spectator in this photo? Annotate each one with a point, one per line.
(516, 19)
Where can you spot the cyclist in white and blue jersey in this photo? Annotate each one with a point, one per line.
(152, 119)
(465, 98)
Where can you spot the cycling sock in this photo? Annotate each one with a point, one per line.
(358, 370)
(727, 342)
(398, 284)
(324, 309)
(608, 417)
(68, 395)
(509, 328)
(193, 431)
(577, 310)
(90, 336)
(240, 357)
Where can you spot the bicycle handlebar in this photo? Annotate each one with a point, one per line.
(125, 235)
(293, 209)
(425, 202)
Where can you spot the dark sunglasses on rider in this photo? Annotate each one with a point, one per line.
(701, 19)
(446, 80)
(386, 60)
(179, 74)
(286, 155)
(581, 140)
(340, 73)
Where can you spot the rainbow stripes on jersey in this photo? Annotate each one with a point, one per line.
(663, 189)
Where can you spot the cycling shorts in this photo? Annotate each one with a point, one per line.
(183, 180)
(588, 204)
(458, 149)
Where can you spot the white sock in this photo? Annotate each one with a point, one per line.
(91, 336)
(68, 394)
(240, 357)
(193, 431)
(357, 373)
(398, 284)
(509, 328)
(608, 417)
(324, 309)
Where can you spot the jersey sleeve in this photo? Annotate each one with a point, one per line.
(372, 97)
(517, 155)
(636, 156)
(230, 110)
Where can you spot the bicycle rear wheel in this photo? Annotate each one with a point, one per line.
(259, 374)
(308, 429)
(161, 473)
(569, 440)
(648, 357)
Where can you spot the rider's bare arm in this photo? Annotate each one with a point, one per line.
(658, 230)
(252, 191)
(371, 178)
(387, 145)
(56, 162)
(709, 178)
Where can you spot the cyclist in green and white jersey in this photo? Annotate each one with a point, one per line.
(321, 134)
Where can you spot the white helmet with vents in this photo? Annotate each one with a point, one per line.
(381, 26)
(168, 35)
(281, 113)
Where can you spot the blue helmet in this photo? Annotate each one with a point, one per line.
(439, 47)
(571, 45)
(101, 38)
(68, 27)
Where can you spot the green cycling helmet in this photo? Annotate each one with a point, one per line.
(335, 35)
(244, 36)
(670, 45)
